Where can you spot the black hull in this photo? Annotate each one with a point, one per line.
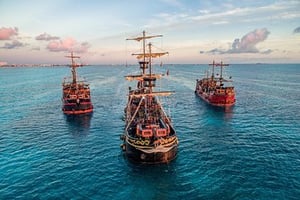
(137, 155)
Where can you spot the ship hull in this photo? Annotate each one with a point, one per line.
(74, 109)
(138, 155)
(77, 112)
(217, 100)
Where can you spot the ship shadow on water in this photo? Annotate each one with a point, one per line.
(222, 112)
(155, 181)
(79, 125)
(136, 164)
(225, 112)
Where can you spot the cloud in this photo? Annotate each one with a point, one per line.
(46, 37)
(220, 22)
(247, 44)
(8, 33)
(13, 45)
(68, 44)
(297, 30)
(216, 51)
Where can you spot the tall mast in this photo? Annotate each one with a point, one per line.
(213, 69)
(144, 52)
(150, 60)
(146, 80)
(150, 69)
(143, 63)
(73, 66)
(221, 70)
(144, 37)
(221, 74)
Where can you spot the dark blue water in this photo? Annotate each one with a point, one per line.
(251, 151)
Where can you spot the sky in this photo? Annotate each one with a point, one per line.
(194, 31)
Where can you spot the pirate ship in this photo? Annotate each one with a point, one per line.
(216, 90)
(76, 97)
(149, 136)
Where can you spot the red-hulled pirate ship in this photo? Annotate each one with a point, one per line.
(215, 89)
(149, 136)
(76, 97)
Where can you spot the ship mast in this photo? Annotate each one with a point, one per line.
(221, 70)
(213, 70)
(144, 52)
(143, 55)
(146, 80)
(150, 60)
(73, 66)
(222, 65)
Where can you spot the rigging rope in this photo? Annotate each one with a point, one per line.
(137, 109)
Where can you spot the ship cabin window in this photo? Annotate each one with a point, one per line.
(161, 132)
(143, 64)
(73, 96)
(147, 133)
(149, 83)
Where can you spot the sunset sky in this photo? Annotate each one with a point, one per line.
(195, 31)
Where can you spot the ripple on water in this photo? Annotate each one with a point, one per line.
(248, 152)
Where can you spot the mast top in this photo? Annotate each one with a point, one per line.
(148, 55)
(72, 56)
(73, 66)
(72, 59)
(221, 64)
(144, 37)
(142, 77)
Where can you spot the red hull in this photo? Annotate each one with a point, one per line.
(217, 100)
(77, 109)
(77, 112)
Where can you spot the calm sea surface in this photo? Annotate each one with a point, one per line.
(251, 151)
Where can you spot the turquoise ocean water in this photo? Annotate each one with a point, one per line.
(251, 151)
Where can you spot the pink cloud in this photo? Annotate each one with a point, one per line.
(247, 44)
(249, 41)
(61, 45)
(7, 33)
(68, 44)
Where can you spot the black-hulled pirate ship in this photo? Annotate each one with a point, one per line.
(76, 97)
(149, 136)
